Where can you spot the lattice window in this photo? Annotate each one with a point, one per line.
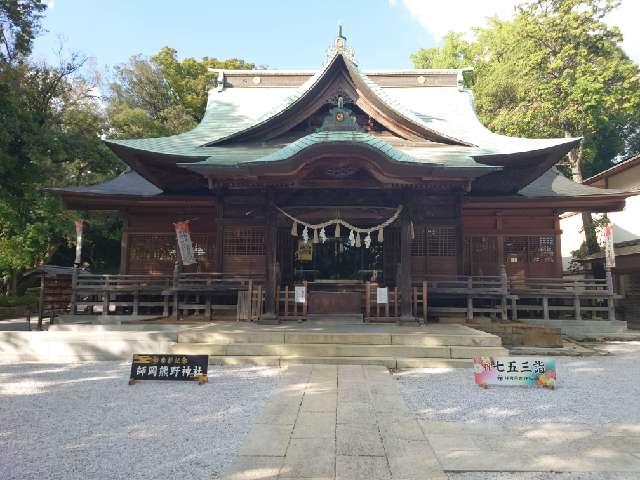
(418, 244)
(441, 241)
(516, 249)
(244, 241)
(432, 241)
(542, 249)
(531, 249)
(150, 253)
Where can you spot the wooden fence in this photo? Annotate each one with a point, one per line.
(215, 295)
(558, 298)
(183, 294)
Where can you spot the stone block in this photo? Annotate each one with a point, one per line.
(470, 352)
(321, 402)
(254, 468)
(267, 441)
(309, 458)
(315, 425)
(362, 468)
(354, 439)
(355, 412)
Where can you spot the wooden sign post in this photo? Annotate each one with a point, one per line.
(169, 367)
(512, 371)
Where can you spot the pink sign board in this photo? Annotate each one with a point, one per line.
(531, 371)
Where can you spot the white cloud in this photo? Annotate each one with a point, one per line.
(626, 17)
(440, 17)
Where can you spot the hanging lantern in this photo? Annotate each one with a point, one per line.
(381, 235)
(337, 234)
(294, 229)
(323, 235)
(315, 236)
(367, 240)
(358, 242)
(305, 235)
(352, 238)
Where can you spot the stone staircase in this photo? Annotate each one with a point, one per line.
(389, 345)
(232, 343)
(583, 329)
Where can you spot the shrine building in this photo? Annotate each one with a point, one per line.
(340, 179)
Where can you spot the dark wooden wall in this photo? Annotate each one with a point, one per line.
(449, 238)
(526, 240)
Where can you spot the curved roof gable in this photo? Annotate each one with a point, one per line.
(338, 76)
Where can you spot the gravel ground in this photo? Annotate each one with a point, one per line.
(540, 476)
(591, 390)
(19, 324)
(83, 421)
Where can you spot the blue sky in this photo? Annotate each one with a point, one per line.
(275, 33)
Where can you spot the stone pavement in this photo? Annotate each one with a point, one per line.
(547, 447)
(336, 422)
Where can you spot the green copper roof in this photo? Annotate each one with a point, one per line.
(447, 111)
(237, 157)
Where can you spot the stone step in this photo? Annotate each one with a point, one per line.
(305, 337)
(389, 362)
(335, 350)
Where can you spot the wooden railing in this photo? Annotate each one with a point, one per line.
(206, 293)
(186, 293)
(558, 298)
(288, 307)
(375, 311)
(469, 295)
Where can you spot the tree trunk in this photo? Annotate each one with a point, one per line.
(13, 283)
(575, 159)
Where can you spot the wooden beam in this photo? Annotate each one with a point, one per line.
(404, 277)
(270, 243)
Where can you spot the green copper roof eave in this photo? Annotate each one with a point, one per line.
(462, 165)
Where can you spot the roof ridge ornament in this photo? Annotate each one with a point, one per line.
(340, 47)
(340, 119)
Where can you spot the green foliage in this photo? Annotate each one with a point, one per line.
(455, 52)
(50, 128)
(161, 95)
(29, 299)
(19, 25)
(556, 69)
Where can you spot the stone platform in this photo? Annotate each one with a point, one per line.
(234, 343)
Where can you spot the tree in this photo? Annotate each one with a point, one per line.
(556, 69)
(50, 128)
(161, 95)
(19, 25)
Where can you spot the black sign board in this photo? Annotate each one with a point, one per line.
(169, 367)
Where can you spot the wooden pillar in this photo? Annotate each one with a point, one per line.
(176, 284)
(106, 296)
(459, 235)
(270, 244)
(41, 297)
(504, 281)
(74, 288)
(500, 243)
(469, 299)
(124, 245)
(610, 301)
(404, 276)
(557, 244)
(219, 260)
